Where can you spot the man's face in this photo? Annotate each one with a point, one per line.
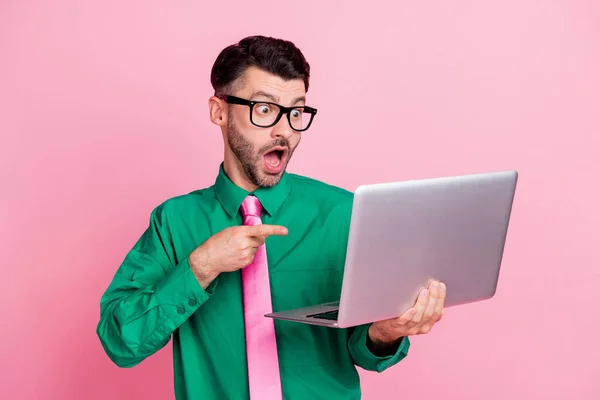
(263, 153)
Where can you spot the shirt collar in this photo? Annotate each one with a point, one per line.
(231, 196)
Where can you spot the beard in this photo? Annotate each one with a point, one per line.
(252, 160)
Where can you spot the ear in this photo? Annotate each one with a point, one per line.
(217, 109)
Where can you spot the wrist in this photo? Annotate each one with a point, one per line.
(381, 344)
(376, 336)
(204, 272)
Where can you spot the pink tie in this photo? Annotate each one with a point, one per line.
(261, 347)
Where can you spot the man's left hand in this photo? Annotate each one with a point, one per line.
(417, 320)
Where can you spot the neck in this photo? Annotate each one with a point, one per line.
(235, 172)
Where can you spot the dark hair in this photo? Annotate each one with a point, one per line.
(276, 56)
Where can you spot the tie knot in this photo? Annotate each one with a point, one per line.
(251, 206)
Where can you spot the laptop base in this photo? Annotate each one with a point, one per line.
(322, 315)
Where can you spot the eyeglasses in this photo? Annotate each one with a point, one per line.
(265, 114)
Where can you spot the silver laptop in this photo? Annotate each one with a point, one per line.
(403, 235)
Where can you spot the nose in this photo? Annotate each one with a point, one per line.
(282, 128)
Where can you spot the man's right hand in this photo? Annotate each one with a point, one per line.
(229, 250)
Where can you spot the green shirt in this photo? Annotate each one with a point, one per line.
(154, 296)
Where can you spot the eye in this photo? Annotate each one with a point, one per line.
(296, 113)
(263, 109)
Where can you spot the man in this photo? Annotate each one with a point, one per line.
(199, 274)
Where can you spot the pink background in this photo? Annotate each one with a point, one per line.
(104, 115)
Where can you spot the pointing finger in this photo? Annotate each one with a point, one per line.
(265, 230)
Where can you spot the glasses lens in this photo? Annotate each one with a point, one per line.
(299, 118)
(265, 114)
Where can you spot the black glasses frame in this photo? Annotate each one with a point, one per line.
(282, 110)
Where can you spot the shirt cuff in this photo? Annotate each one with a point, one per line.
(180, 294)
(364, 358)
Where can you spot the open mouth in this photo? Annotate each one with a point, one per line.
(274, 159)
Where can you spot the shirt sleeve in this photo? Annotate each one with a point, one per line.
(149, 297)
(364, 358)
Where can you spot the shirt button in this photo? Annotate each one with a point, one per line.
(180, 310)
(192, 302)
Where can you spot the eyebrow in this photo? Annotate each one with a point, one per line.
(275, 99)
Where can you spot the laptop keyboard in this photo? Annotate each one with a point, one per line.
(330, 315)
